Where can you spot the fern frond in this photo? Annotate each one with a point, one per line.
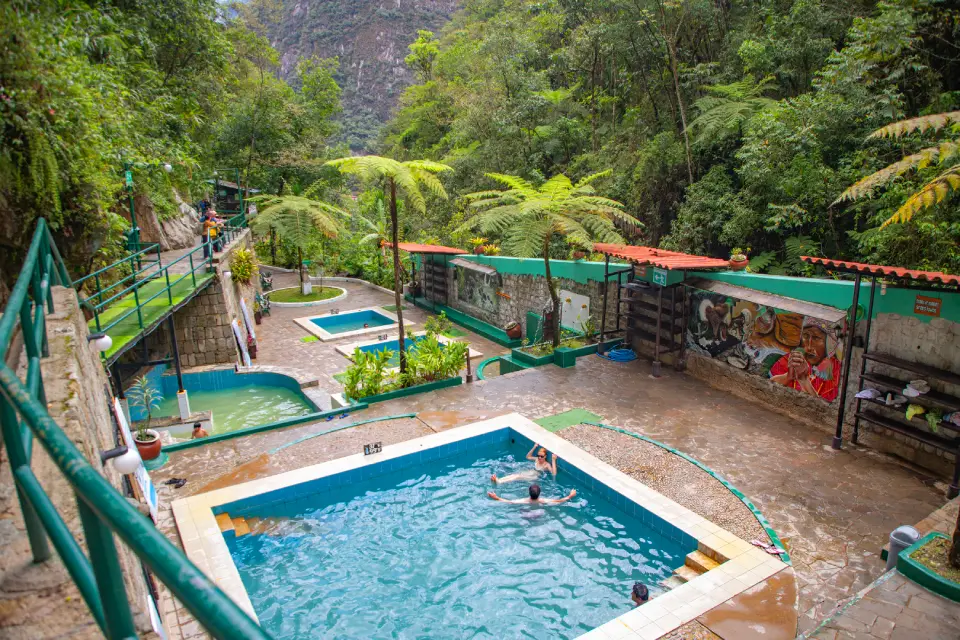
(592, 177)
(514, 182)
(921, 124)
(763, 261)
(932, 193)
(918, 160)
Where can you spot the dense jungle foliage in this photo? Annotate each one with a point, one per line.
(725, 124)
(87, 86)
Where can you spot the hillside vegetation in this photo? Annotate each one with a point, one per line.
(725, 124)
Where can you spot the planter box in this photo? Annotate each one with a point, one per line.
(410, 391)
(922, 575)
(530, 359)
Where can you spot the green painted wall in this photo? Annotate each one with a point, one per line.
(576, 270)
(839, 293)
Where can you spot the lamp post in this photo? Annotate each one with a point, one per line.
(133, 239)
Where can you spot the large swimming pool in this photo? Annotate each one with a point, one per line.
(424, 552)
(337, 324)
(404, 543)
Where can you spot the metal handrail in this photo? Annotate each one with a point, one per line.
(103, 511)
(150, 247)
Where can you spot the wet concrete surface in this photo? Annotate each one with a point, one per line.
(833, 509)
(765, 611)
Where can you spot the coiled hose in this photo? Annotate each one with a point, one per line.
(619, 354)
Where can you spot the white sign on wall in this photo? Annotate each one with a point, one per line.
(574, 309)
(147, 490)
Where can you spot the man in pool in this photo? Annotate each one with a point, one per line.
(198, 431)
(639, 594)
(540, 464)
(535, 497)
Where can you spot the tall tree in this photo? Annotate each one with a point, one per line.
(410, 178)
(528, 217)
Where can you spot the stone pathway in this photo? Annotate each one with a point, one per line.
(823, 503)
(893, 608)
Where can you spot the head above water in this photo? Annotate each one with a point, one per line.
(542, 454)
(534, 492)
(197, 425)
(640, 592)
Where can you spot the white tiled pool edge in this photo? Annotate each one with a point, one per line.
(744, 567)
(326, 336)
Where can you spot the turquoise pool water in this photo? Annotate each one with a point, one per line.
(242, 407)
(422, 552)
(352, 321)
(394, 345)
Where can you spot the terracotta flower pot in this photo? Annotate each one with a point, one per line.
(514, 332)
(149, 449)
(579, 255)
(257, 317)
(478, 250)
(739, 265)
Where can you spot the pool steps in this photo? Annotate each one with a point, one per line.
(695, 564)
(242, 526)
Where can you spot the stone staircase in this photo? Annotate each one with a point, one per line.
(246, 526)
(695, 564)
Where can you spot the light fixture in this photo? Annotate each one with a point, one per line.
(216, 173)
(167, 167)
(125, 459)
(101, 341)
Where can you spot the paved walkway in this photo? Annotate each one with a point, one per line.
(824, 503)
(893, 608)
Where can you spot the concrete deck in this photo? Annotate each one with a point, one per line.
(833, 509)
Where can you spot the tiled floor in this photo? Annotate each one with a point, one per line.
(834, 509)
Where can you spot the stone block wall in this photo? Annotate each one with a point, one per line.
(78, 400)
(523, 293)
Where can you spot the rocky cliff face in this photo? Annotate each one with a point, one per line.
(370, 37)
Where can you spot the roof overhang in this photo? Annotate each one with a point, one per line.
(473, 266)
(820, 311)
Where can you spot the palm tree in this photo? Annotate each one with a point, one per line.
(410, 178)
(527, 217)
(297, 220)
(946, 154)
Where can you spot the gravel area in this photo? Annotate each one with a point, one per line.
(669, 474)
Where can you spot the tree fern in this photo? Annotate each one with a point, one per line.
(724, 112)
(946, 155)
(527, 217)
(411, 179)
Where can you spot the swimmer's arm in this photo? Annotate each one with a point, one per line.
(554, 467)
(573, 494)
(499, 499)
(530, 455)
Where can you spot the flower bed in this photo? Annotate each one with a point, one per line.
(291, 296)
(925, 562)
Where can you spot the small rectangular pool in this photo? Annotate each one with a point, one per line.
(335, 325)
(405, 543)
(393, 344)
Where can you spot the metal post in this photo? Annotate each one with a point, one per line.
(136, 300)
(606, 289)
(106, 568)
(656, 331)
(166, 272)
(193, 273)
(176, 353)
(620, 294)
(12, 436)
(673, 315)
(135, 230)
(863, 361)
(847, 351)
(469, 371)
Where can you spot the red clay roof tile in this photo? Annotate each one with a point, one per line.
(880, 270)
(661, 257)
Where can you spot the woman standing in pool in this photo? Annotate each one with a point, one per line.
(540, 465)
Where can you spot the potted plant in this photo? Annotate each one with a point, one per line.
(738, 259)
(478, 245)
(491, 250)
(513, 330)
(252, 347)
(579, 255)
(257, 312)
(146, 396)
(243, 267)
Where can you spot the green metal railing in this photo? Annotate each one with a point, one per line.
(104, 512)
(97, 303)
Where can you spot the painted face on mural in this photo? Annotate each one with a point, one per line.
(814, 342)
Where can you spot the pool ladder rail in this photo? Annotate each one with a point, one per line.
(695, 564)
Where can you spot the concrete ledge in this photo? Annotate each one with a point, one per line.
(411, 391)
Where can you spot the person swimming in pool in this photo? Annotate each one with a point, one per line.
(540, 465)
(535, 497)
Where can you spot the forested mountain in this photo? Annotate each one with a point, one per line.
(369, 37)
(726, 124)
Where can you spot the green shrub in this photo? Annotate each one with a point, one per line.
(438, 325)
(366, 376)
(243, 266)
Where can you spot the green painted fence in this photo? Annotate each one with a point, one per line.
(104, 513)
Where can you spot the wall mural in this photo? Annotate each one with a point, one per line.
(801, 352)
(478, 289)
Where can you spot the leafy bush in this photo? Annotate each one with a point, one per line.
(431, 360)
(438, 325)
(366, 376)
(243, 266)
